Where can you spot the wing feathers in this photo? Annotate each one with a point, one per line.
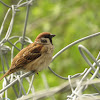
(28, 55)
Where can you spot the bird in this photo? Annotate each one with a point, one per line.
(35, 57)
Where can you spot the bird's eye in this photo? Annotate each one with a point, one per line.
(43, 41)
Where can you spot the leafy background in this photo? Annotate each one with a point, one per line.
(69, 21)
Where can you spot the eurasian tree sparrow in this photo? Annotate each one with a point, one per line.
(35, 57)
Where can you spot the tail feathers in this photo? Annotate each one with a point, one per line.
(5, 75)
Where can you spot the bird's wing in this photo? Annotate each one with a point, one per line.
(28, 54)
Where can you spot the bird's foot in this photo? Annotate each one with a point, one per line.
(37, 73)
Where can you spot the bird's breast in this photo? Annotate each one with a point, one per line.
(42, 62)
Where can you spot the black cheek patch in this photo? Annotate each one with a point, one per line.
(43, 41)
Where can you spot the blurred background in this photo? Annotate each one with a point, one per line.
(69, 21)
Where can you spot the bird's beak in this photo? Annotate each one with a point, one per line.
(52, 35)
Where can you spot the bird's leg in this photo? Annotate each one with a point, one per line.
(33, 71)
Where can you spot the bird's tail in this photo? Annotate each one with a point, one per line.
(7, 73)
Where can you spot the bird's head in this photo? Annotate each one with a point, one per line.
(44, 38)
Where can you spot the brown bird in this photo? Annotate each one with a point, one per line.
(35, 57)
